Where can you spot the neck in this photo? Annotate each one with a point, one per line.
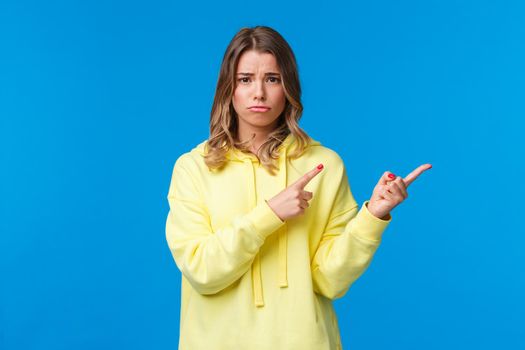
(261, 135)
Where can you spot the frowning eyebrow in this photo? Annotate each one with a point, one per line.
(250, 74)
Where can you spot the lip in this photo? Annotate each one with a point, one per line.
(259, 108)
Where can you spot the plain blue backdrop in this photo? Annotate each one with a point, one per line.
(98, 99)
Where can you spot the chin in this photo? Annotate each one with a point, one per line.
(262, 123)
(259, 120)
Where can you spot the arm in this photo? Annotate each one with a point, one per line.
(211, 261)
(348, 244)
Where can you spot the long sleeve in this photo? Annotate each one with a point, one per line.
(211, 261)
(348, 244)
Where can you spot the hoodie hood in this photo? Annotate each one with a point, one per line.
(281, 182)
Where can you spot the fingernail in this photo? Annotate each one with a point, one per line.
(392, 176)
(320, 166)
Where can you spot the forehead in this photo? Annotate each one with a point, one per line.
(253, 61)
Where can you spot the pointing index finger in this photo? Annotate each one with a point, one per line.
(306, 178)
(414, 174)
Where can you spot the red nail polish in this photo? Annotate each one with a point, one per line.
(392, 176)
(320, 166)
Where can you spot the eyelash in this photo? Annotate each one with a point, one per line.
(277, 79)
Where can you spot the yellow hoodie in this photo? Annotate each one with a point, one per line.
(249, 280)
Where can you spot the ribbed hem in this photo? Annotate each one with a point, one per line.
(264, 220)
(368, 225)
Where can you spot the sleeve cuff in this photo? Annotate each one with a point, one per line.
(368, 225)
(264, 219)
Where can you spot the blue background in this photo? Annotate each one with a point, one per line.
(98, 99)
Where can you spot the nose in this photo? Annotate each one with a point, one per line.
(259, 93)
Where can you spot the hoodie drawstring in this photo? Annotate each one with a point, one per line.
(256, 265)
(282, 234)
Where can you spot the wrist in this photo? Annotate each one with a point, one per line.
(378, 215)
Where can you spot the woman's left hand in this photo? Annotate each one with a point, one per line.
(392, 190)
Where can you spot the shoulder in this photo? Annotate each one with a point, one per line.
(193, 159)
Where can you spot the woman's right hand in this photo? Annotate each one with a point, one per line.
(293, 200)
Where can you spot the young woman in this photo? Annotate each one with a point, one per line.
(262, 222)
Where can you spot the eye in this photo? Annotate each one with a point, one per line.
(271, 79)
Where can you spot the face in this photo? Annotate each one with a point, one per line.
(258, 83)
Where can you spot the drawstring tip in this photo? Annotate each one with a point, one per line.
(283, 264)
(257, 282)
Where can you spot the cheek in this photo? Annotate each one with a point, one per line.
(279, 96)
(238, 96)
